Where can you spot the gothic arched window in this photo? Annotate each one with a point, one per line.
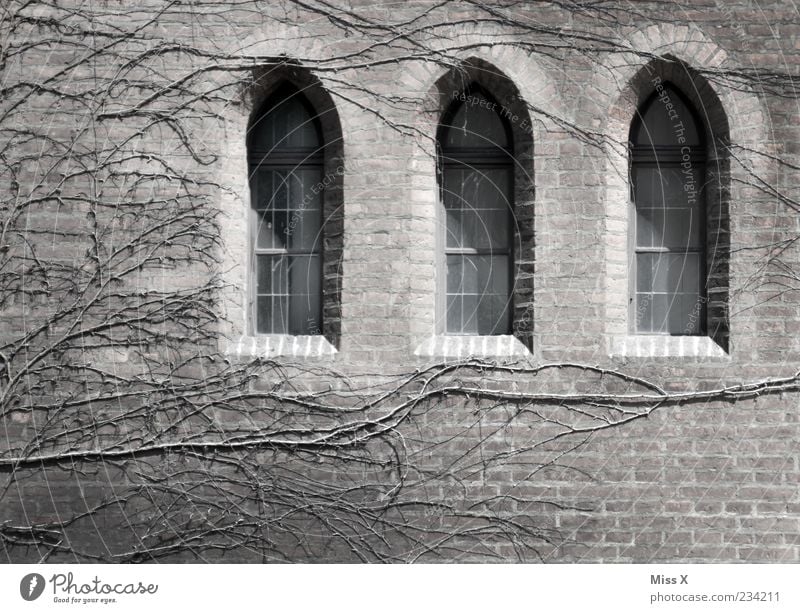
(668, 229)
(476, 171)
(285, 155)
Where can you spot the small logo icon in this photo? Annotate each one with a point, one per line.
(31, 586)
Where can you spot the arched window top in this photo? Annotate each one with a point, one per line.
(287, 122)
(666, 119)
(474, 121)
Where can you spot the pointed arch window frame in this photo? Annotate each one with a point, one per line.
(263, 160)
(472, 158)
(663, 157)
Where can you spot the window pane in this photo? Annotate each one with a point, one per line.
(272, 192)
(691, 274)
(306, 303)
(271, 231)
(272, 314)
(477, 207)
(684, 314)
(476, 123)
(665, 121)
(660, 186)
(454, 205)
(667, 215)
(478, 294)
(674, 228)
(669, 293)
(660, 309)
(469, 314)
(289, 204)
(287, 124)
(493, 314)
(644, 312)
(305, 205)
(271, 274)
(288, 296)
(453, 315)
(455, 275)
(668, 272)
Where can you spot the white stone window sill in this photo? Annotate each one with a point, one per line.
(275, 345)
(663, 346)
(458, 346)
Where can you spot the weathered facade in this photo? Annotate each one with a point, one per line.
(144, 416)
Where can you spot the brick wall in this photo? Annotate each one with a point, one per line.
(711, 479)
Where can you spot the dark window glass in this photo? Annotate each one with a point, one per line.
(286, 184)
(476, 182)
(668, 224)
